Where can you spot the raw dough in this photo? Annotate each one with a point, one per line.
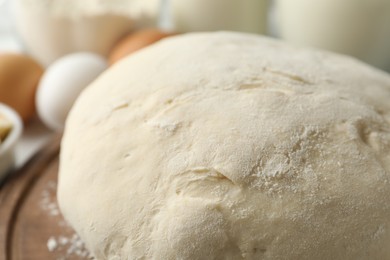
(230, 146)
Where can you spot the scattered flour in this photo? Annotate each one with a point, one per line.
(51, 244)
(71, 245)
(47, 203)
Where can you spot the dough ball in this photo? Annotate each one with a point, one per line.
(230, 146)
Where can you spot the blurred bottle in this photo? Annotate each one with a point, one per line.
(360, 28)
(211, 15)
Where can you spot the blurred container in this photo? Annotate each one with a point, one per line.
(360, 28)
(52, 29)
(5, 24)
(211, 15)
(8, 41)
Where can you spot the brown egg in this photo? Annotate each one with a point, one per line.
(19, 77)
(136, 41)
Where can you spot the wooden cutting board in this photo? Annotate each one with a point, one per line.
(31, 225)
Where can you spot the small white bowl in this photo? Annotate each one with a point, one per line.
(7, 156)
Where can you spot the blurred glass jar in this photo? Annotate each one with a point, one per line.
(359, 28)
(211, 15)
(51, 29)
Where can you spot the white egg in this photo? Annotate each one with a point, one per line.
(63, 82)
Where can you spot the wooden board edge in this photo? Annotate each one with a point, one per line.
(16, 187)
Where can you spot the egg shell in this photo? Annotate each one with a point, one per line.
(19, 77)
(136, 41)
(63, 82)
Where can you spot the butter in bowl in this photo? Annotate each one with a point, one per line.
(10, 131)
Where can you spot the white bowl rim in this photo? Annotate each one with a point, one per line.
(16, 131)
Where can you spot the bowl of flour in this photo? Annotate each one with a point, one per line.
(50, 29)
